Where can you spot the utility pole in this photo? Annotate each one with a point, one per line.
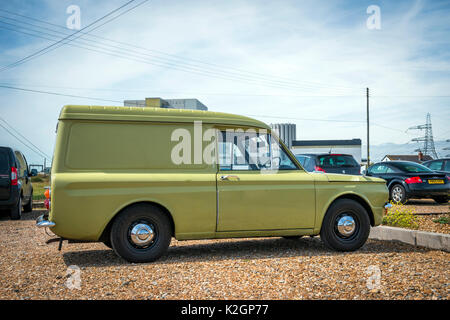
(368, 154)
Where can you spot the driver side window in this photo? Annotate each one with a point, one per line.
(251, 151)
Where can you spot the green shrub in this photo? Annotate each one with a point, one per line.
(401, 216)
(36, 179)
(442, 220)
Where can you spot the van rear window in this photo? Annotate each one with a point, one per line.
(4, 163)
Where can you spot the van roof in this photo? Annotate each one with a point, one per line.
(154, 114)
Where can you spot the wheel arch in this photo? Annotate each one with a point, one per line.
(357, 198)
(106, 230)
(397, 181)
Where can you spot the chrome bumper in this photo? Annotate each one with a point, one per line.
(42, 223)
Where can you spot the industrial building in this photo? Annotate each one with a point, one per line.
(286, 131)
(191, 104)
(288, 134)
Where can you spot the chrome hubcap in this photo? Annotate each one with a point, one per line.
(346, 226)
(397, 194)
(142, 234)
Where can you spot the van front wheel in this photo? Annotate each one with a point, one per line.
(346, 226)
(141, 233)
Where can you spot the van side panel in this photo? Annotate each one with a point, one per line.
(101, 167)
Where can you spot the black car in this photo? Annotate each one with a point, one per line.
(439, 165)
(407, 180)
(16, 191)
(330, 163)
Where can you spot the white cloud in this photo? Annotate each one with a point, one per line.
(324, 42)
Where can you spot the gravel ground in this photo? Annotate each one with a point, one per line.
(264, 268)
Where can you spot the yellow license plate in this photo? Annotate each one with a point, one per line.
(436, 181)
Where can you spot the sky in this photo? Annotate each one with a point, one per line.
(302, 62)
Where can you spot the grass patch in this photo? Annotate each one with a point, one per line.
(442, 220)
(38, 187)
(401, 216)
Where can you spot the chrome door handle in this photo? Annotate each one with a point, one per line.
(229, 178)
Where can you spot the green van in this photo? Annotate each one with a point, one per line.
(133, 178)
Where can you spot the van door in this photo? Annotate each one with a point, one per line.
(5, 174)
(260, 187)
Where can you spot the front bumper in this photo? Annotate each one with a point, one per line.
(42, 222)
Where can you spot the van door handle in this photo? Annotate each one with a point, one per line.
(229, 178)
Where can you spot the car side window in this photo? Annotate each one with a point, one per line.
(435, 165)
(447, 165)
(21, 163)
(378, 169)
(390, 170)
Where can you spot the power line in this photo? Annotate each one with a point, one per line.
(117, 101)
(177, 58)
(26, 145)
(185, 92)
(59, 43)
(37, 148)
(58, 94)
(136, 56)
(303, 119)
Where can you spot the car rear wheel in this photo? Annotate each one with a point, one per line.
(141, 233)
(29, 206)
(16, 211)
(346, 226)
(441, 199)
(398, 193)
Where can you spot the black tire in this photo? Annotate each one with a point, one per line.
(108, 243)
(16, 211)
(29, 206)
(397, 193)
(292, 237)
(342, 209)
(135, 217)
(441, 200)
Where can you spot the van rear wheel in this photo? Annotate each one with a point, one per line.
(141, 233)
(346, 226)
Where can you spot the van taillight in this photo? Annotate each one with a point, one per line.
(14, 180)
(47, 195)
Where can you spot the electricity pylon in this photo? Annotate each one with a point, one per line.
(428, 141)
